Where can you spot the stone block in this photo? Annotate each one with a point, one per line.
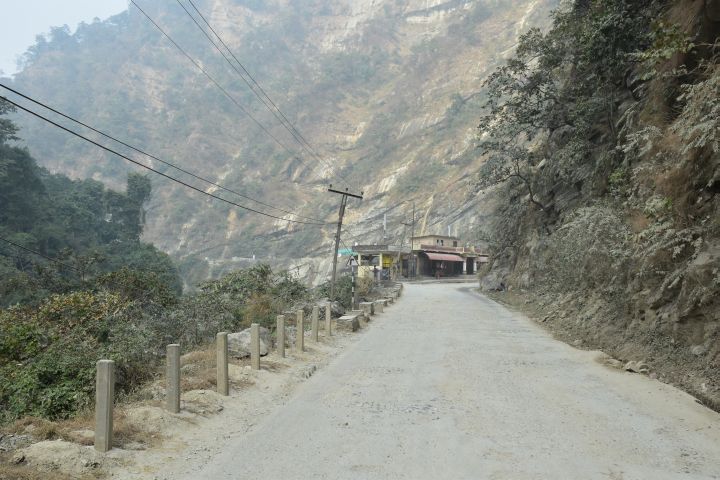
(172, 377)
(223, 383)
(351, 322)
(104, 402)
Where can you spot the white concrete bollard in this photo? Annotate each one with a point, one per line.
(223, 382)
(328, 321)
(300, 332)
(315, 327)
(104, 400)
(280, 332)
(255, 346)
(173, 378)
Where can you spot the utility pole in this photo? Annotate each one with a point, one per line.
(343, 204)
(411, 262)
(412, 235)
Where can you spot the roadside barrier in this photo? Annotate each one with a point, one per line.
(223, 382)
(104, 399)
(300, 332)
(280, 332)
(173, 378)
(105, 369)
(314, 323)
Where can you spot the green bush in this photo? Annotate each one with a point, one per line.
(48, 353)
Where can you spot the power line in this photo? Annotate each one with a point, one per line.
(185, 184)
(34, 252)
(220, 87)
(264, 102)
(180, 169)
(262, 96)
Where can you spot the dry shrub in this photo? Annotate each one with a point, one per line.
(364, 286)
(205, 380)
(676, 184)
(23, 472)
(261, 308)
(200, 372)
(124, 432)
(38, 428)
(638, 221)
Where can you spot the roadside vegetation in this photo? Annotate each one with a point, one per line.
(94, 290)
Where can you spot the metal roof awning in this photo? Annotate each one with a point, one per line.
(445, 257)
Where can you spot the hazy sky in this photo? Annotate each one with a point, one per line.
(21, 20)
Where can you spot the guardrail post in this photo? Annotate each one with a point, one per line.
(223, 383)
(281, 335)
(300, 332)
(328, 321)
(255, 346)
(104, 400)
(173, 378)
(315, 315)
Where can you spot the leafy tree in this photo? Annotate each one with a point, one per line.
(563, 85)
(7, 127)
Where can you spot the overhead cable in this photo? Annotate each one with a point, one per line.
(140, 164)
(255, 87)
(220, 87)
(125, 144)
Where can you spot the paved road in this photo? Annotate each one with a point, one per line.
(448, 385)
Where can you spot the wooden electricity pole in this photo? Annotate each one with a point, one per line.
(343, 204)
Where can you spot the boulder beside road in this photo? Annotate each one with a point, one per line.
(239, 343)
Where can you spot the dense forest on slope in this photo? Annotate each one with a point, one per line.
(77, 284)
(89, 229)
(386, 91)
(603, 144)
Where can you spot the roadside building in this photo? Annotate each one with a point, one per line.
(382, 262)
(445, 256)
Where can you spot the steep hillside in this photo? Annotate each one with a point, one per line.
(386, 91)
(607, 130)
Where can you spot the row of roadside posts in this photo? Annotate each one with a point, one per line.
(105, 377)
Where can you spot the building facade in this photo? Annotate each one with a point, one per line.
(444, 256)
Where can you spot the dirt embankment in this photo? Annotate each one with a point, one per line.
(625, 254)
(591, 323)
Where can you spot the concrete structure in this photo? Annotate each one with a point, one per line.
(104, 402)
(281, 335)
(223, 382)
(173, 378)
(442, 256)
(351, 321)
(314, 323)
(379, 306)
(300, 332)
(368, 308)
(255, 346)
(328, 321)
(381, 262)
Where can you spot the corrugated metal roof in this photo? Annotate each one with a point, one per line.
(445, 257)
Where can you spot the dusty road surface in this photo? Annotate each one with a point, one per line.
(448, 385)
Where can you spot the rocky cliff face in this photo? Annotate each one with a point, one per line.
(625, 254)
(386, 91)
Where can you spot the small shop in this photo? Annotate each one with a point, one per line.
(380, 262)
(440, 264)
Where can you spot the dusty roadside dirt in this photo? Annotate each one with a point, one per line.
(590, 324)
